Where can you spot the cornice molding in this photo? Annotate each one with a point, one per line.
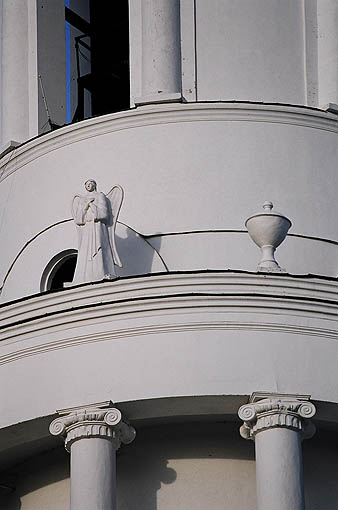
(251, 302)
(161, 285)
(155, 329)
(277, 412)
(165, 114)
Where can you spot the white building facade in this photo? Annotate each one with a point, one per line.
(202, 111)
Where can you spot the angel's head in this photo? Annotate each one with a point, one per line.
(90, 185)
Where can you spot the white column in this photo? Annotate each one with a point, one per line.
(19, 81)
(327, 18)
(277, 425)
(161, 55)
(92, 436)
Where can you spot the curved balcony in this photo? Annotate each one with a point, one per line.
(188, 334)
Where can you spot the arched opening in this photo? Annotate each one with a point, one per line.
(64, 273)
(83, 60)
(59, 270)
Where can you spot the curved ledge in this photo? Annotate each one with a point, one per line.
(164, 114)
(309, 303)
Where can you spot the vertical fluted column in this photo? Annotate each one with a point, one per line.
(92, 436)
(161, 55)
(277, 425)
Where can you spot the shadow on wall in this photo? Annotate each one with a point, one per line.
(200, 465)
(187, 466)
(136, 254)
(44, 479)
(320, 459)
(10, 502)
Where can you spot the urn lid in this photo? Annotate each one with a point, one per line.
(268, 206)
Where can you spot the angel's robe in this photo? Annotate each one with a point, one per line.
(95, 261)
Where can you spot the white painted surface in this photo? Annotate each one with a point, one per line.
(327, 19)
(188, 49)
(19, 71)
(268, 230)
(235, 250)
(204, 463)
(93, 475)
(233, 63)
(279, 471)
(95, 215)
(185, 168)
(216, 186)
(204, 331)
(161, 57)
(209, 464)
(137, 254)
(277, 423)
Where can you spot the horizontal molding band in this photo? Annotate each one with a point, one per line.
(192, 300)
(214, 282)
(165, 329)
(156, 309)
(165, 114)
(244, 300)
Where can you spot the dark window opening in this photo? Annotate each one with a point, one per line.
(64, 273)
(98, 57)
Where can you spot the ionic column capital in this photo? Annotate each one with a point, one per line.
(277, 411)
(93, 422)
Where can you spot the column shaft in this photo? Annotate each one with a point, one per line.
(279, 475)
(161, 56)
(19, 71)
(93, 474)
(327, 18)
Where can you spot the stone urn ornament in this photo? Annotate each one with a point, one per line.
(268, 230)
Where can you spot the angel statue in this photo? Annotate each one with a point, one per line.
(95, 215)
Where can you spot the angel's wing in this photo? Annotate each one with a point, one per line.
(75, 206)
(115, 197)
(76, 213)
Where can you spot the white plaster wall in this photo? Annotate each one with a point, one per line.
(183, 168)
(233, 63)
(235, 250)
(139, 257)
(159, 348)
(248, 50)
(142, 255)
(195, 464)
